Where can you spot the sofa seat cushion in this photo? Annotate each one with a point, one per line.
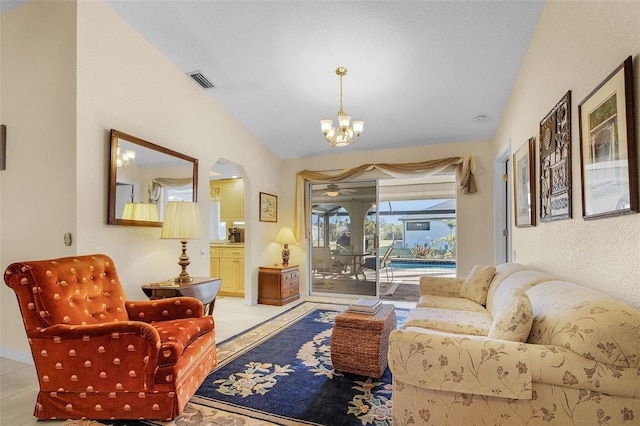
(476, 285)
(514, 319)
(586, 322)
(450, 320)
(445, 302)
(176, 335)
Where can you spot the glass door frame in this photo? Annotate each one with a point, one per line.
(358, 208)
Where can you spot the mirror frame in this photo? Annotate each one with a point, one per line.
(113, 170)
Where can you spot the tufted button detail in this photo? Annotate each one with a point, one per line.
(119, 386)
(58, 366)
(88, 364)
(116, 361)
(103, 375)
(89, 388)
(126, 407)
(69, 407)
(98, 407)
(44, 352)
(72, 352)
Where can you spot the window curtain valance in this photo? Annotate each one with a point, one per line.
(464, 169)
(157, 183)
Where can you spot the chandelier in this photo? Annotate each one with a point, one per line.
(343, 135)
(124, 157)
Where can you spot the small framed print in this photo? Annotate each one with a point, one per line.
(608, 147)
(268, 207)
(524, 187)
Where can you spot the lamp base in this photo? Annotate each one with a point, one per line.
(285, 255)
(183, 261)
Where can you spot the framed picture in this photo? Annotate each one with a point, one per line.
(3, 147)
(524, 188)
(268, 207)
(555, 162)
(608, 147)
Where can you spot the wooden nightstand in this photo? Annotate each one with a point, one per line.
(278, 285)
(205, 289)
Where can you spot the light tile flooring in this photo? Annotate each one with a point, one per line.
(19, 384)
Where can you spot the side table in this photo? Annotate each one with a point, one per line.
(278, 284)
(204, 289)
(359, 342)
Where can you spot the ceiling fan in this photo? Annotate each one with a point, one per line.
(334, 191)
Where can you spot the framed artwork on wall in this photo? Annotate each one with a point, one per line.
(608, 147)
(3, 147)
(268, 207)
(524, 187)
(555, 162)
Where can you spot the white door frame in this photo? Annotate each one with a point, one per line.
(501, 203)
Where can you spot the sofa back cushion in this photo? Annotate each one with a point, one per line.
(523, 280)
(586, 322)
(502, 271)
(477, 283)
(514, 319)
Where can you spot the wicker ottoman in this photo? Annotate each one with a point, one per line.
(359, 342)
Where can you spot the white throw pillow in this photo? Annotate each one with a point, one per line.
(514, 319)
(476, 285)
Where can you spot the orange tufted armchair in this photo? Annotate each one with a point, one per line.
(99, 356)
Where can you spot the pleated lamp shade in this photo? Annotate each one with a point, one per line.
(181, 221)
(141, 211)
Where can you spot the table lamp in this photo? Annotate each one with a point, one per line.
(182, 222)
(141, 211)
(286, 237)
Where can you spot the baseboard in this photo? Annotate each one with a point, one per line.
(14, 355)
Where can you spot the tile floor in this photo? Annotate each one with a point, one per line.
(19, 384)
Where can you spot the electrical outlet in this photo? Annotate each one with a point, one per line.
(203, 253)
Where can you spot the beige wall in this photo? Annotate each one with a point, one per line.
(474, 217)
(575, 46)
(38, 107)
(64, 86)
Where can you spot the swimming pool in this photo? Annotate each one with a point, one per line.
(422, 263)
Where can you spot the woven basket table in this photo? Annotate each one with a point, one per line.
(359, 342)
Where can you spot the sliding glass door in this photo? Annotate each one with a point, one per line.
(344, 239)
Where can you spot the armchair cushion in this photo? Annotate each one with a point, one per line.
(514, 319)
(476, 285)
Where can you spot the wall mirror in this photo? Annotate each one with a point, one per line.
(144, 177)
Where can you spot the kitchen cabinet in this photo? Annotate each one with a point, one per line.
(227, 262)
(214, 267)
(231, 200)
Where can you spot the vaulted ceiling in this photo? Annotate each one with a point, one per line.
(420, 72)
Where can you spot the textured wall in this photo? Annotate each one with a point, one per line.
(575, 46)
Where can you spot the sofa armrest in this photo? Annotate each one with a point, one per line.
(112, 356)
(466, 364)
(556, 365)
(164, 309)
(440, 286)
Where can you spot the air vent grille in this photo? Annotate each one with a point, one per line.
(199, 78)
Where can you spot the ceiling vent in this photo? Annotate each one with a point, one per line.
(201, 80)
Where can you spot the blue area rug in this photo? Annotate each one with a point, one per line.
(280, 372)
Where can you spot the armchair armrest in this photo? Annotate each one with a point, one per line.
(466, 364)
(114, 355)
(440, 286)
(164, 309)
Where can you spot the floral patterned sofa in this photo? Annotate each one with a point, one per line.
(100, 356)
(536, 350)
